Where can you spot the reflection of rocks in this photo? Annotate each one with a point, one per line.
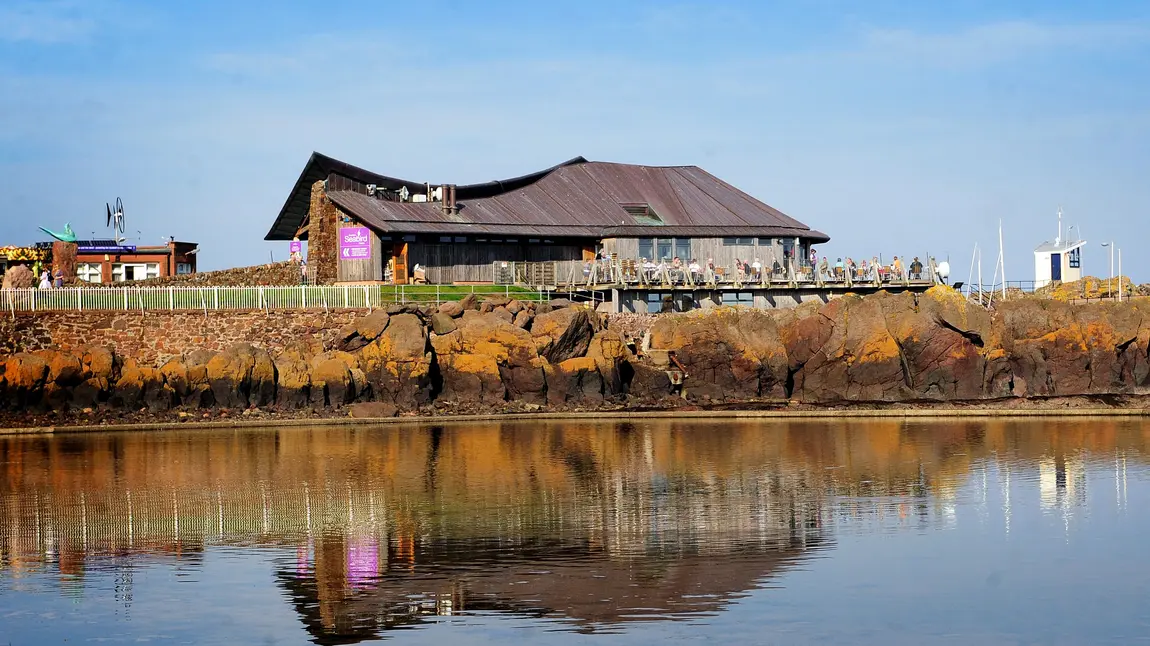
(597, 523)
(499, 354)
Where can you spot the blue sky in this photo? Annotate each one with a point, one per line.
(896, 127)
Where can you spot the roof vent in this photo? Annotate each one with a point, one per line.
(642, 213)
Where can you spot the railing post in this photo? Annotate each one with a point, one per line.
(33, 300)
(80, 299)
(367, 299)
(303, 296)
(125, 291)
(346, 297)
(216, 298)
(171, 298)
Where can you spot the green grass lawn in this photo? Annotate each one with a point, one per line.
(335, 297)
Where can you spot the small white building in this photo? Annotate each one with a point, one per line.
(1060, 260)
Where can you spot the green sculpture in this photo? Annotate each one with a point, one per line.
(67, 236)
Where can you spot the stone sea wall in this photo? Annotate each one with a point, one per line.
(155, 337)
(504, 355)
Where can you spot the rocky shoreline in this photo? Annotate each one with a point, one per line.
(502, 356)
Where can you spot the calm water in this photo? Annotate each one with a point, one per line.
(980, 532)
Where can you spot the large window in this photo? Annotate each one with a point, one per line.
(134, 271)
(657, 249)
(739, 298)
(1075, 258)
(738, 242)
(183, 268)
(89, 272)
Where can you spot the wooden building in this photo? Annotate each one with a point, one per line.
(365, 227)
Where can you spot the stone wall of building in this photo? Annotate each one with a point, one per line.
(270, 275)
(323, 227)
(151, 338)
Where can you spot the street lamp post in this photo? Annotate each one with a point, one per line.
(1110, 280)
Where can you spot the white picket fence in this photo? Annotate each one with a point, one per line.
(325, 297)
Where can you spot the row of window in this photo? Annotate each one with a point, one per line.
(91, 272)
(750, 242)
(665, 248)
(678, 302)
(455, 239)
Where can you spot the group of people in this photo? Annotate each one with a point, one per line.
(47, 281)
(678, 271)
(874, 270)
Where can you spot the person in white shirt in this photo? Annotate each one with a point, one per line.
(45, 280)
(648, 269)
(695, 269)
(757, 269)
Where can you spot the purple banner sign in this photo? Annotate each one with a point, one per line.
(295, 247)
(354, 243)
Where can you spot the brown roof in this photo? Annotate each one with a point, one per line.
(575, 199)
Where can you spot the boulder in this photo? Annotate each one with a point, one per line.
(241, 376)
(488, 341)
(19, 277)
(199, 387)
(332, 380)
(504, 314)
(523, 319)
(575, 380)
(64, 369)
(564, 334)
(940, 338)
(648, 382)
(471, 378)
(451, 308)
(514, 306)
(469, 302)
(293, 374)
(608, 349)
(24, 377)
(91, 392)
(175, 374)
(727, 354)
(142, 386)
(559, 303)
(96, 362)
(398, 365)
(442, 323)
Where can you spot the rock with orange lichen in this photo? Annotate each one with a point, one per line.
(398, 364)
(520, 369)
(727, 354)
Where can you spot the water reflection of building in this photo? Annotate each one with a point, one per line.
(383, 527)
(1062, 482)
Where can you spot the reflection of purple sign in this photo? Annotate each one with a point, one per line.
(362, 562)
(354, 242)
(295, 247)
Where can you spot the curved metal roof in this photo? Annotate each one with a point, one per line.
(577, 198)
